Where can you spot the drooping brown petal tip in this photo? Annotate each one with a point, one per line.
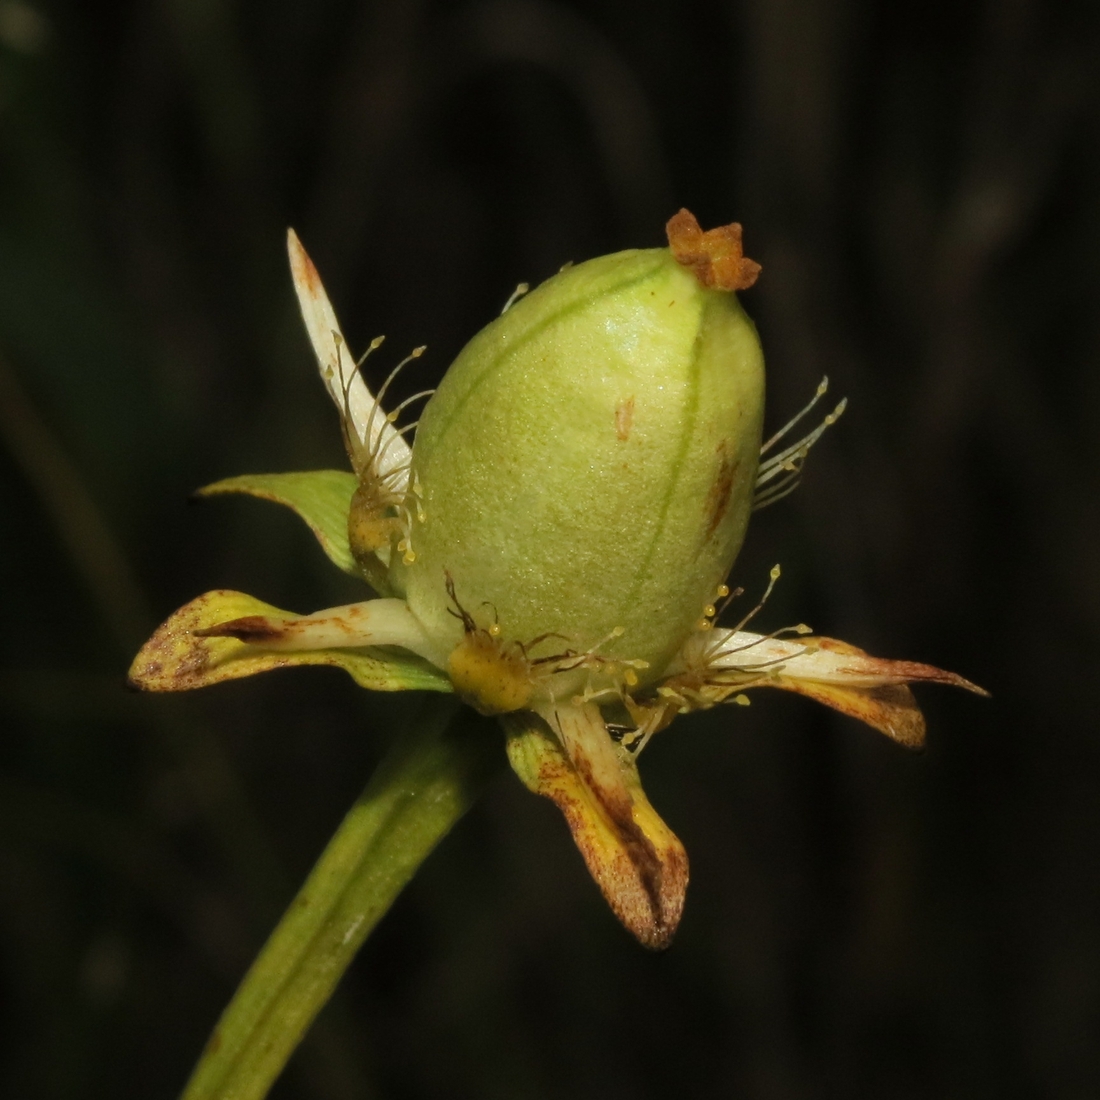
(714, 256)
(636, 860)
(871, 689)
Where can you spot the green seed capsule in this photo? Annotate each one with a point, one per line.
(585, 473)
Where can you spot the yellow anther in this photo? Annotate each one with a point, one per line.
(723, 591)
(409, 557)
(631, 677)
(708, 611)
(774, 574)
(618, 632)
(741, 700)
(494, 630)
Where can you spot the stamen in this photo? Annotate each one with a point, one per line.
(801, 628)
(516, 294)
(822, 389)
(408, 401)
(397, 434)
(712, 613)
(395, 474)
(346, 381)
(787, 458)
(777, 492)
(790, 460)
(373, 441)
(592, 653)
(374, 345)
(366, 454)
(773, 576)
(714, 650)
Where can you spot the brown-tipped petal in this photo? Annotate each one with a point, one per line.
(715, 257)
(337, 364)
(723, 663)
(636, 860)
(225, 635)
(824, 659)
(890, 709)
(887, 704)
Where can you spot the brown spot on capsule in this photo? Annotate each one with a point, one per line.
(715, 256)
(718, 498)
(624, 418)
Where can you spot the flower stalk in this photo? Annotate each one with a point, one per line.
(430, 778)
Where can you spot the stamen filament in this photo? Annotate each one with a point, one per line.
(799, 450)
(822, 388)
(516, 294)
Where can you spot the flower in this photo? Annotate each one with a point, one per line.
(554, 545)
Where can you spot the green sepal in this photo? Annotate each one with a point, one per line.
(321, 497)
(177, 659)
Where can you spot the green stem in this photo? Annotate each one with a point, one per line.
(430, 778)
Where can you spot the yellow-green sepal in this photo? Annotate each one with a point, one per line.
(178, 657)
(321, 497)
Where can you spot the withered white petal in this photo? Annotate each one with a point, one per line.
(338, 369)
(822, 660)
(370, 623)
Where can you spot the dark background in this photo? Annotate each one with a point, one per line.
(921, 182)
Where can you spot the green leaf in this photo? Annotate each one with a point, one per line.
(430, 778)
(177, 659)
(321, 497)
